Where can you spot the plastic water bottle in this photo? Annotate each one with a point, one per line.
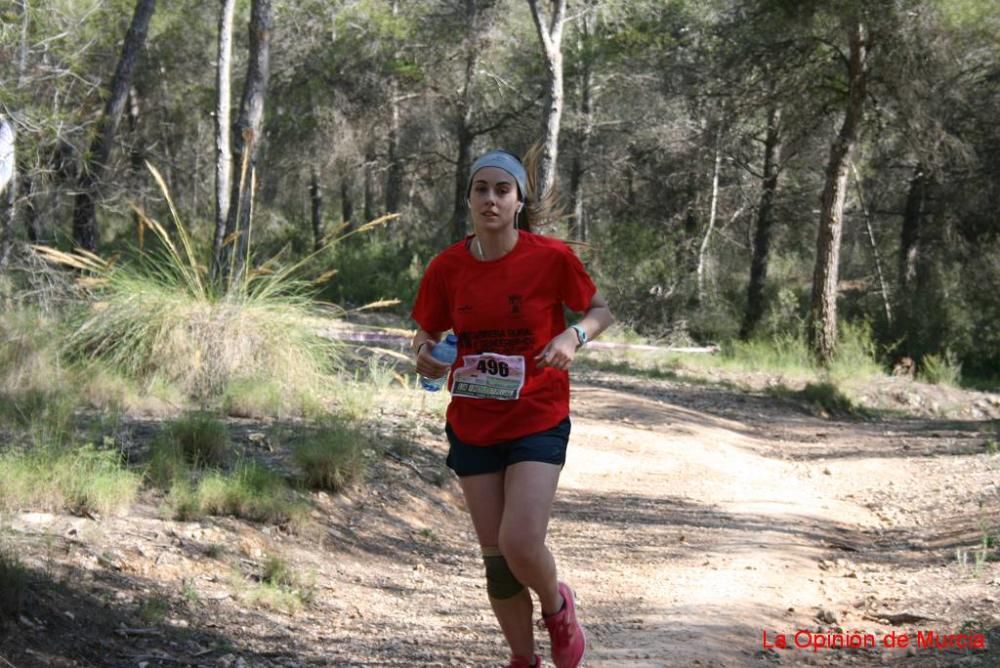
(446, 351)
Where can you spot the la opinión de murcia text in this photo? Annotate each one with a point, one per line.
(923, 640)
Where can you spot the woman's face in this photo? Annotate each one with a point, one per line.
(493, 199)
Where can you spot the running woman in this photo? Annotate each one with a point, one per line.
(502, 291)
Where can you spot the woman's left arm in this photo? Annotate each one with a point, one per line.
(561, 350)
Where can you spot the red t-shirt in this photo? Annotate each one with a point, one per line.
(509, 306)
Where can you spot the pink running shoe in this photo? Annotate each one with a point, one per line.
(568, 640)
(521, 662)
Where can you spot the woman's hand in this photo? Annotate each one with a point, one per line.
(559, 352)
(427, 366)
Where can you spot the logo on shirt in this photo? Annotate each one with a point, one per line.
(515, 303)
(465, 308)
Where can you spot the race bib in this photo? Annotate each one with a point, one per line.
(489, 376)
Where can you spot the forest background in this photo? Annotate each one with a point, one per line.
(735, 170)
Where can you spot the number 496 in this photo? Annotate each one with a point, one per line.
(493, 367)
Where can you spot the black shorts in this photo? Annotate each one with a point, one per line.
(547, 446)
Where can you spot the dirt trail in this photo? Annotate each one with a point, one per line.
(691, 519)
(717, 526)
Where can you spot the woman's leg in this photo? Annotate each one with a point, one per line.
(484, 497)
(529, 490)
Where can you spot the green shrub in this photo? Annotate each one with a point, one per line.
(145, 329)
(81, 480)
(331, 455)
(784, 313)
(252, 492)
(782, 353)
(277, 572)
(167, 464)
(857, 354)
(154, 609)
(789, 354)
(103, 389)
(828, 398)
(183, 502)
(254, 398)
(374, 268)
(158, 315)
(47, 413)
(200, 437)
(358, 395)
(277, 587)
(940, 370)
(29, 352)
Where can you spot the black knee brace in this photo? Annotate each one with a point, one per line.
(500, 582)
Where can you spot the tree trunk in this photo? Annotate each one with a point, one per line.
(462, 165)
(22, 51)
(8, 189)
(347, 202)
(7, 224)
(686, 252)
(762, 236)
(8, 155)
(85, 231)
(578, 170)
(551, 38)
(876, 256)
(464, 132)
(32, 224)
(246, 142)
(371, 206)
(316, 196)
(223, 158)
(910, 244)
(394, 176)
(823, 311)
(713, 209)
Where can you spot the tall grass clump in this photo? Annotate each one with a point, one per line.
(36, 391)
(358, 394)
(200, 438)
(159, 316)
(45, 414)
(277, 587)
(259, 398)
(331, 455)
(153, 319)
(785, 353)
(56, 478)
(827, 398)
(29, 354)
(857, 353)
(250, 491)
(789, 354)
(940, 370)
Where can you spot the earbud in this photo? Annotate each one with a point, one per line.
(520, 205)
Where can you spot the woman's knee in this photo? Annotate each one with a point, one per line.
(521, 547)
